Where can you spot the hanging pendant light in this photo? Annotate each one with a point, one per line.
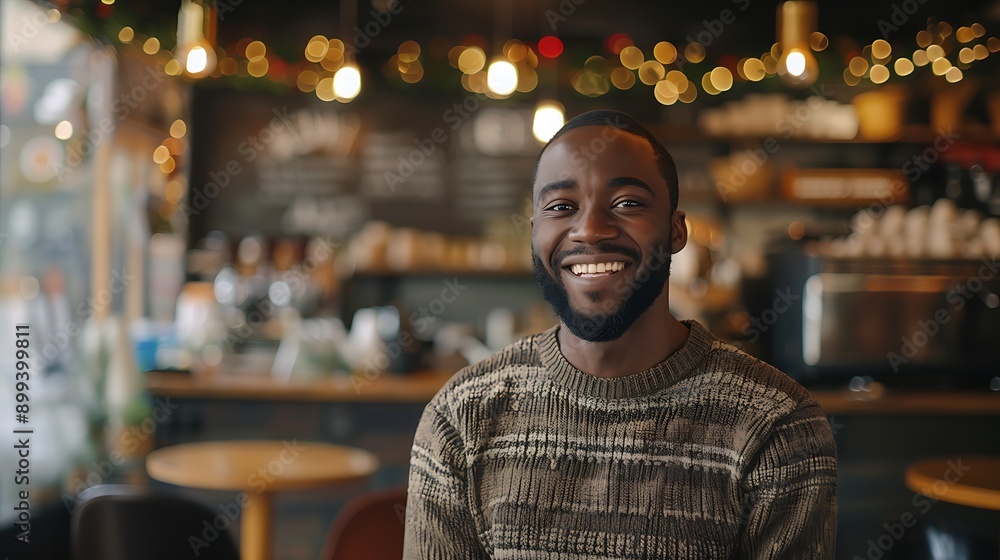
(347, 79)
(195, 50)
(796, 21)
(501, 75)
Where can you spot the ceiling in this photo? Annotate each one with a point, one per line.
(286, 26)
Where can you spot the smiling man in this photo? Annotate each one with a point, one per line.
(621, 432)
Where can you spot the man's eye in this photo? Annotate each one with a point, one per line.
(628, 203)
(560, 207)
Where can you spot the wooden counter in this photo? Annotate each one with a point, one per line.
(385, 387)
(940, 403)
(420, 387)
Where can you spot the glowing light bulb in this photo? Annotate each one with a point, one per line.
(795, 63)
(798, 67)
(197, 60)
(549, 119)
(796, 23)
(347, 83)
(195, 53)
(501, 78)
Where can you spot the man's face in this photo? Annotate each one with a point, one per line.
(602, 230)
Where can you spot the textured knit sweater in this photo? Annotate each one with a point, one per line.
(709, 454)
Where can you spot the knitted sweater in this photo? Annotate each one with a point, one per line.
(709, 454)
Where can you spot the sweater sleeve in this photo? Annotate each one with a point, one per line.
(790, 491)
(439, 523)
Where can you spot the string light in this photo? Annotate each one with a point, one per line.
(550, 46)
(347, 83)
(516, 70)
(903, 66)
(549, 118)
(665, 52)
(501, 77)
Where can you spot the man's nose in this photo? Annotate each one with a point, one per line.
(593, 226)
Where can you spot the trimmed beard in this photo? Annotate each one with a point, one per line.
(643, 287)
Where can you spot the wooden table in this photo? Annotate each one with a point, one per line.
(968, 481)
(258, 469)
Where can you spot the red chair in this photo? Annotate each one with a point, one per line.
(370, 527)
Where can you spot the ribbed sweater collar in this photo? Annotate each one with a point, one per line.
(677, 366)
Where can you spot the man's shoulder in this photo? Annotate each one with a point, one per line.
(500, 370)
(758, 379)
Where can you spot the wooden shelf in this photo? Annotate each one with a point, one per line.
(911, 134)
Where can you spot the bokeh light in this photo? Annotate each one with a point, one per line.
(550, 46)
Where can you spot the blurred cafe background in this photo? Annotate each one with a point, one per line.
(285, 225)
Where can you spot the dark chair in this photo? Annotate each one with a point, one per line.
(118, 522)
(369, 527)
(939, 537)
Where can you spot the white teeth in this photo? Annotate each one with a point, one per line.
(598, 268)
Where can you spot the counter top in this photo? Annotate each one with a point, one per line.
(384, 387)
(916, 402)
(421, 386)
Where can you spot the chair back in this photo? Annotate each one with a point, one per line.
(119, 522)
(369, 527)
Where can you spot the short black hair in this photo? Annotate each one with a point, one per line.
(621, 121)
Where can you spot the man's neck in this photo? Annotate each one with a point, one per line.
(654, 336)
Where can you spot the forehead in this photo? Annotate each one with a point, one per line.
(598, 152)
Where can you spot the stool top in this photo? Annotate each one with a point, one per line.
(969, 481)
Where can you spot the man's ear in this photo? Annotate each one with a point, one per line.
(678, 231)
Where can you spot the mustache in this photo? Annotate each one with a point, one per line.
(602, 248)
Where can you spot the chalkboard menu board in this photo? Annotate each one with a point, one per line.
(330, 168)
(401, 165)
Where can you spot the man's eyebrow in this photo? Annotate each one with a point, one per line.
(630, 181)
(556, 186)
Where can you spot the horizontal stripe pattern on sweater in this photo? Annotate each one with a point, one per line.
(709, 454)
